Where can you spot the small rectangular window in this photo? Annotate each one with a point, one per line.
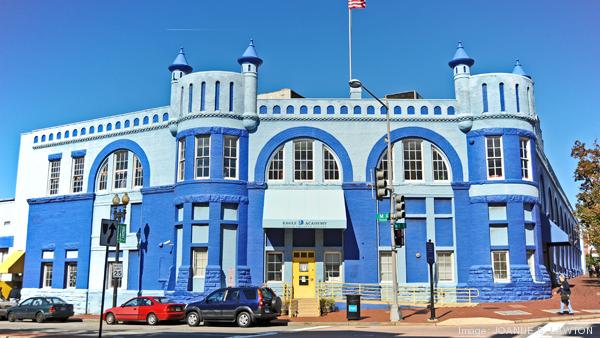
(138, 172)
(229, 212)
(181, 160)
(494, 157)
(499, 235)
(445, 266)
(180, 213)
(531, 262)
(500, 266)
(46, 275)
(525, 158)
(121, 166)
(103, 176)
(200, 211)
(497, 212)
(71, 254)
(48, 254)
(71, 275)
(274, 266)
(53, 177)
(202, 156)
(303, 160)
(413, 160)
(77, 179)
(199, 233)
(199, 262)
(230, 156)
(333, 264)
(385, 266)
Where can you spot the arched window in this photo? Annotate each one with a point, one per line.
(58, 135)
(202, 96)
(155, 118)
(136, 122)
(108, 128)
(502, 103)
(370, 110)
(127, 124)
(103, 176)
(412, 150)
(43, 138)
(262, 109)
(165, 117)
(83, 131)
(440, 169)
(230, 96)
(344, 110)
(146, 120)
(138, 172)
(35, 139)
(357, 110)
(331, 171)
(303, 160)
(289, 109)
(317, 110)
(410, 110)
(217, 94)
(517, 98)
(51, 137)
(276, 167)
(118, 125)
(100, 129)
(190, 98)
(303, 110)
(276, 110)
(437, 110)
(92, 130)
(484, 97)
(424, 110)
(330, 110)
(451, 110)
(397, 110)
(382, 110)
(74, 133)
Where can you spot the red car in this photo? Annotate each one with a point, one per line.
(146, 308)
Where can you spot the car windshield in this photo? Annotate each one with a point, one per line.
(55, 300)
(163, 300)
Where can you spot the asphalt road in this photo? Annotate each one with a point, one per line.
(89, 328)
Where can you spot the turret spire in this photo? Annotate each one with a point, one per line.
(461, 57)
(180, 63)
(519, 69)
(250, 55)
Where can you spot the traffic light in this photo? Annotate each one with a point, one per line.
(399, 235)
(399, 220)
(380, 184)
(399, 204)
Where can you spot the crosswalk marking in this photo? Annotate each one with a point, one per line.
(547, 330)
(311, 328)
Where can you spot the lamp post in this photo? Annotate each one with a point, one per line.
(395, 312)
(119, 217)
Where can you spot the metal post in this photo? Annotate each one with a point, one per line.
(119, 217)
(103, 292)
(431, 300)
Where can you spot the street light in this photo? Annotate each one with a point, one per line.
(119, 218)
(395, 312)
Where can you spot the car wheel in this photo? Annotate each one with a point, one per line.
(152, 319)
(244, 319)
(193, 318)
(110, 319)
(39, 317)
(11, 317)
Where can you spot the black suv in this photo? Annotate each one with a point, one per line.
(244, 306)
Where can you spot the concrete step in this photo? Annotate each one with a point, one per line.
(307, 307)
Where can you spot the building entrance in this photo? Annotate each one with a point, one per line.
(303, 274)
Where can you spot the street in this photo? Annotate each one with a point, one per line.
(88, 328)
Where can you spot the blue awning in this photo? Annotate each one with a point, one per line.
(304, 209)
(557, 235)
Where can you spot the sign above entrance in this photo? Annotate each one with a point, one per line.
(305, 209)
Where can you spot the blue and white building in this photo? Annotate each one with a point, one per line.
(231, 187)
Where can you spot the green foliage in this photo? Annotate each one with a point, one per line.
(326, 304)
(588, 198)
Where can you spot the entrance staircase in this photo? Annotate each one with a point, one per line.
(307, 307)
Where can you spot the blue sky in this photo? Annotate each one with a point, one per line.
(65, 61)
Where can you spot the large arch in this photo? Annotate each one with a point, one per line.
(299, 132)
(109, 149)
(417, 132)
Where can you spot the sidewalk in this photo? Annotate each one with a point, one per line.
(585, 300)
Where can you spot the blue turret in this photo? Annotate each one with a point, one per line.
(250, 56)
(519, 69)
(461, 57)
(180, 63)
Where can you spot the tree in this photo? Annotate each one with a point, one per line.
(588, 198)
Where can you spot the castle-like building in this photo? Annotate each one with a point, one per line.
(230, 187)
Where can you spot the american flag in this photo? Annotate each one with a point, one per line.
(357, 4)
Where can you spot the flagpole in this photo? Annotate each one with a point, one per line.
(350, 43)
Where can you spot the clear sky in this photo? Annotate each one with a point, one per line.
(66, 61)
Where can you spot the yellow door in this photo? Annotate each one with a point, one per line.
(304, 272)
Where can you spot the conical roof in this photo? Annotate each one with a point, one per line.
(180, 63)
(461, 57)
(250, 55)
(519, 69)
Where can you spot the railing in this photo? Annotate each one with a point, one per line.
(407, 295)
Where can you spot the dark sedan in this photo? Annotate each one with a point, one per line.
(40, 309)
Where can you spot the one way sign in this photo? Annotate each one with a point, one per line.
(108, 233)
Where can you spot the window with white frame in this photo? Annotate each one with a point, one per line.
(202, 156)
(77, 179)
(199, 262)
(303, 160)
(413, 160)
(53, 177)
(531, 262)
(71, 275)
(46, 275)
(230, 156)
(331, 170)
(500, 266)
(112, 282)
(3, 253)
(103, 176)
(121, 166)
(440, 169)
(274, 267)
(494, 157)
(276, 166)
(181, 160)
(525, 158)
(333, 263)
(445, 266)
(138, 172)
(385, 266)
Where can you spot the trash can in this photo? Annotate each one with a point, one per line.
(353, 307)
